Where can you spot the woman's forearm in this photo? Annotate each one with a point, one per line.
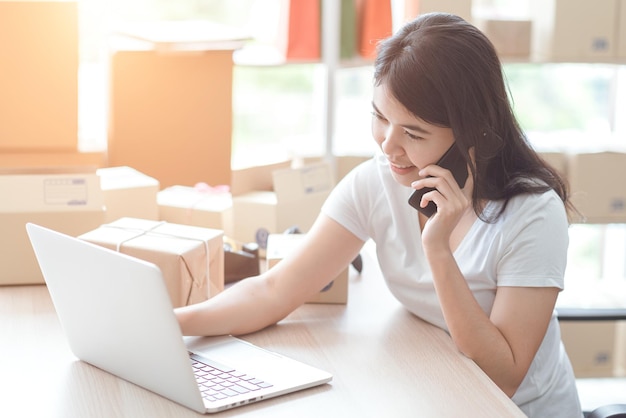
(244, 307)
(471, 328)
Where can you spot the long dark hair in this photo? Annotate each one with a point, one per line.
(446, 72)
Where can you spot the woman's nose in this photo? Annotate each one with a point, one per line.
(391, 144)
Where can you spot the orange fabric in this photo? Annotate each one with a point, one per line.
(303, 42)
(375, 24)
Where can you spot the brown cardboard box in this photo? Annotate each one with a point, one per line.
(558, 34)
(128, 193)
(345, 163)
(558, 160)
(206, 207)
(590, 346)
(280, 246)
(175, 124)
(620, 348)
(66, 201)
(621, 30)
(595, 191)
(300, 193)
(23, 159)
(295, 202)
(342, 164)
(39, 76)
(254, 217)
(191, 258)
(511, 38)
(257, 178)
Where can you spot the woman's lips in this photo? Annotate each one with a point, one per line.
(401, 169)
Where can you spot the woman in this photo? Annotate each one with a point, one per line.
(487, 266)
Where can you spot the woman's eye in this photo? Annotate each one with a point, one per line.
(377, 116)
(410, 135)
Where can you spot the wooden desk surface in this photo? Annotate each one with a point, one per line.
(385, 362)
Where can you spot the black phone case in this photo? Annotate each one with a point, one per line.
(451, 160)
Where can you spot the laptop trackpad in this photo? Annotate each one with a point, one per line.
(236, 353)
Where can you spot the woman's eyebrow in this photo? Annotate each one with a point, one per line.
(416, 128)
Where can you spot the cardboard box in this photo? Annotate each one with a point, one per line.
(68, 202)
(32, 159)
(558, 160)
(461, 8)
(295, 202)
(620, 348)
(558, 34)
(621, 30)
(176, 124)
(279, 246)
(205, 207)
(257, 178)
(255, 217)
(345, 163)
(591, 347)
(595, 191)
(128, 193)
(301, 192)
(511, 38)
(191, 258)
(39, 76)
(342, 164)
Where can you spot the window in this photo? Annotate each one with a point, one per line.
(568, 105)
(277, 113)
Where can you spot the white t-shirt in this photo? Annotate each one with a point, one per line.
(526, 246)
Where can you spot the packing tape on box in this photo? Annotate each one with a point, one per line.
(142, 232)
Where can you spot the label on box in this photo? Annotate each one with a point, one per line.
(65, 191)
(50, 192)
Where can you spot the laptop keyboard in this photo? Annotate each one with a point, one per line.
(217, 381)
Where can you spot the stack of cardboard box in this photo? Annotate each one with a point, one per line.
(543, 30)
(295, 201)
(179, 228)
(558, 35)
(39, 84)
(170, 100)
(39, 78)
(70, 202)
(592, 176)
(596, 348)
(114, 207)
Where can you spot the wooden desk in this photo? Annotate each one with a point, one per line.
(386, 363)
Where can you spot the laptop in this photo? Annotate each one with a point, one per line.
(116, 314)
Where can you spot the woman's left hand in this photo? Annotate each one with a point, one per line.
(452, 203)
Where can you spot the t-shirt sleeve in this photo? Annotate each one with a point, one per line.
(348, 203)
(535, 245)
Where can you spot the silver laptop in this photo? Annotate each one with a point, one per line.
(117, 316)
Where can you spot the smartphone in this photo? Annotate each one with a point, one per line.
(451, 160)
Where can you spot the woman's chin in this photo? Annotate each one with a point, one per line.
(404, 176)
